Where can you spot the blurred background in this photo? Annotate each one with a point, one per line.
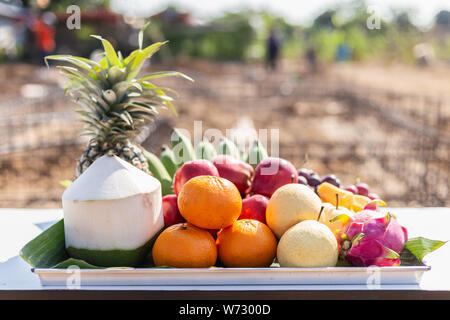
(360, 89)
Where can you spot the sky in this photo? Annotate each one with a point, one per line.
(295, 11)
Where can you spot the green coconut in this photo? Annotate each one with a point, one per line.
(112, 212)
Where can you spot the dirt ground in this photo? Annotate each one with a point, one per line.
(369, 123)
(402, 79)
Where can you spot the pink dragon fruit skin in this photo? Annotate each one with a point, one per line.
(383, 238)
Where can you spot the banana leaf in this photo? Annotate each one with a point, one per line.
(48, 250)
(68, 263)
(420, 246)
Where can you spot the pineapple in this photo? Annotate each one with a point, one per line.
(116, 104)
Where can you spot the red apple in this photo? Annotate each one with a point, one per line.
(192, 169)
(272, 173)
(235, 170)
(254, 207)
(170, 210)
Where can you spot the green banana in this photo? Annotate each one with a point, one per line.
(226, 146)
(168, 160)
(159, 172)
(205, 150)
(256, 154)
(182, 148)
(166, 187)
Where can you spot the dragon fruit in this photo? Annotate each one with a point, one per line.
(372, 238)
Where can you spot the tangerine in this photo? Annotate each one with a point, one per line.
(184, 245)
(210, 202)
(246, 243)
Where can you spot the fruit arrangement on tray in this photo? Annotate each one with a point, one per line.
(203, 206)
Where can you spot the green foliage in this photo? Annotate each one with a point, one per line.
(242, 35)
(326, 43)
(227, 37)
(63, 4)
(442, 47)
(347, 24)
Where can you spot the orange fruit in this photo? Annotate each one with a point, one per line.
(210, 202)
(184, 245)
(247, 243)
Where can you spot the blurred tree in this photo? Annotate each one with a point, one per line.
(324, 20)
(226, 37)
(242, 35)
(63, 4)
(443, 19)
(440, 35)
(403, 22)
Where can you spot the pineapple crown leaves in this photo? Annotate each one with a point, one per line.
(116, 105)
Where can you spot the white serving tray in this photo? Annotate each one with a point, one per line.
(232, 276)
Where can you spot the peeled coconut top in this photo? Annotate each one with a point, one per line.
(109, 178)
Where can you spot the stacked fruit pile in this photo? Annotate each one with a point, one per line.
(220, 206)
(248, 216)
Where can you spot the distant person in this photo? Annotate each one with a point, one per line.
(25, 35)
(44, 34)
(344, 52)
(311, 58)
(273, 49)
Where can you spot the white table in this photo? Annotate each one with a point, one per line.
(18, 226)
